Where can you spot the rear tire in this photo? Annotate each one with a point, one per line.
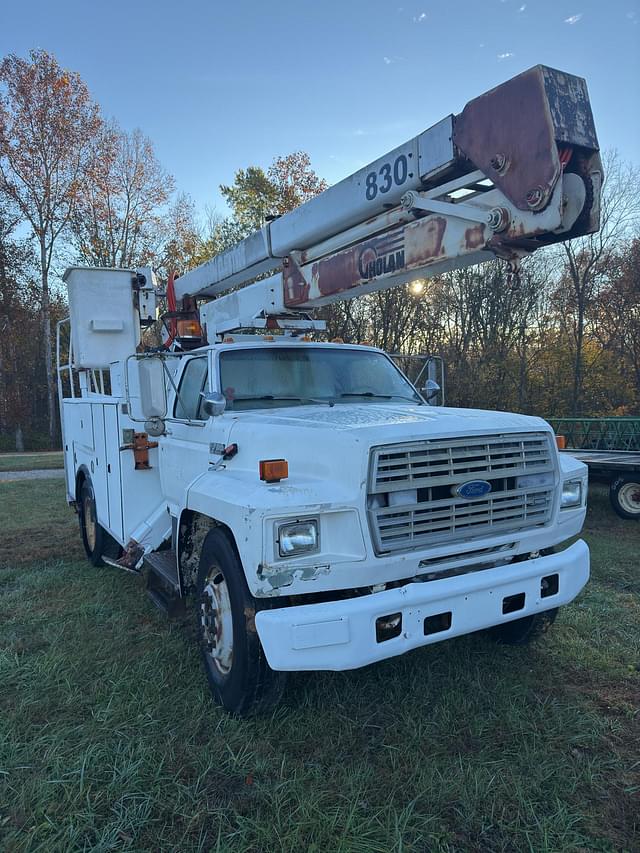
(523, 631)
(97, 542)
(239, 676)
(624, 494)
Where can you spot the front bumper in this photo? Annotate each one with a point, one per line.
(341, 635)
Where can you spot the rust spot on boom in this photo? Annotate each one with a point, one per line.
(424, 241)
(474, 237)
(296, 288)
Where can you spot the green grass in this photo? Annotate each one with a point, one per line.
(109, 741)
(30, 461)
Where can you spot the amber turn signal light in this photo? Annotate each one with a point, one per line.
(274, 470)
(189, 329)
(561, 442)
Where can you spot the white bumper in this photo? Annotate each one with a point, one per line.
(342, 634)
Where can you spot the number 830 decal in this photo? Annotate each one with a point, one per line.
(388, 175)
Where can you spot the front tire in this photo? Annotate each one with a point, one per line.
(95, 539)
(624, 494)
(523, 631)
(239, 676)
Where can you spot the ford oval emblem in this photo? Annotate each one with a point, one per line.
(473, 489)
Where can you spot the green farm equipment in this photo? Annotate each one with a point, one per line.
(611, 449)
(599, 433)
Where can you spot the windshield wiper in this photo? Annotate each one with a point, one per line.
(382, 396)
(284, 399)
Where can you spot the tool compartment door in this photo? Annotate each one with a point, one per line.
(112, 453)
(99, 466)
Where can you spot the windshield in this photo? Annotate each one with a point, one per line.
(271, 377)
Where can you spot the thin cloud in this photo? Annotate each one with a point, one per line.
(522, 8)
(390, 60)
(418, 19)
(506, 55)
(573, 19)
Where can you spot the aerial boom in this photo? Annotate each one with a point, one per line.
(517, 169)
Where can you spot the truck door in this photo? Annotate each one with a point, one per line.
(184, 449)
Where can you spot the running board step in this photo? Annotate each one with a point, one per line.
(116, 565)
(163, 583)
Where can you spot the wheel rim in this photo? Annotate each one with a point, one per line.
(89, 522)
(629, 498)
(217, 622)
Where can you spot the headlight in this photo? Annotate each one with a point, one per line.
(571, 494)
(298, 537)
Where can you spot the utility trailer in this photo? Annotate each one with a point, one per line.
(610, 447)
(309, 502)
(620, 469)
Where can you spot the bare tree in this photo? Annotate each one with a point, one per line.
(119, 219)
(48, 124)
(616, 325)
(589, 258)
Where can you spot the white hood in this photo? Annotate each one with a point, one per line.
(401, 420)
(332, 443)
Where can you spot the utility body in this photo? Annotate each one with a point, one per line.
(317, 507)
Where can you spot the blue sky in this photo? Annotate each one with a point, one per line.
(218, 86)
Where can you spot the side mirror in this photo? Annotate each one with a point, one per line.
(146, 390)
(213, 404)
(431, 389)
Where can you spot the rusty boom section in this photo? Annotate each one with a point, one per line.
(518, 168)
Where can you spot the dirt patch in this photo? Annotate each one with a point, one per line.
(30, 546)
(39, 474)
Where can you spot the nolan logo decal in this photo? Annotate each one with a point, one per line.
(473, 489)
(382, 256)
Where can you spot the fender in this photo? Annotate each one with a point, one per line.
(240, 502)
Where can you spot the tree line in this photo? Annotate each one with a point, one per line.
(562, 338)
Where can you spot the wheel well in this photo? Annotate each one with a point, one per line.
(81, 475)
(192, 531)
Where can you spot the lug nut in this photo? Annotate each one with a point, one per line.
(536, 198)
(499, 163)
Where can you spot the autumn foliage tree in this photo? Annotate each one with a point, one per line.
(590, 260)
(48, 125)
(22, 388)
(256, 195)
(119, 217)
(294, 181)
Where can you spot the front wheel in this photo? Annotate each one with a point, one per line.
(624, 494)
(240, 678)
(523, 631)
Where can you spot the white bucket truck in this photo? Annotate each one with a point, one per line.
(317, 509)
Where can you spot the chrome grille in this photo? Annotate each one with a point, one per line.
(433, 469)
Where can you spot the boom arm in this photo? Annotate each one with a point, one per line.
(517, 169)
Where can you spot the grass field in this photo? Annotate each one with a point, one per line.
(108, 739)
(30, 461)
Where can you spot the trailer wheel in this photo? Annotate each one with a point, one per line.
(624, 494)
(523, 631)
(97, 542)
(239, 676)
